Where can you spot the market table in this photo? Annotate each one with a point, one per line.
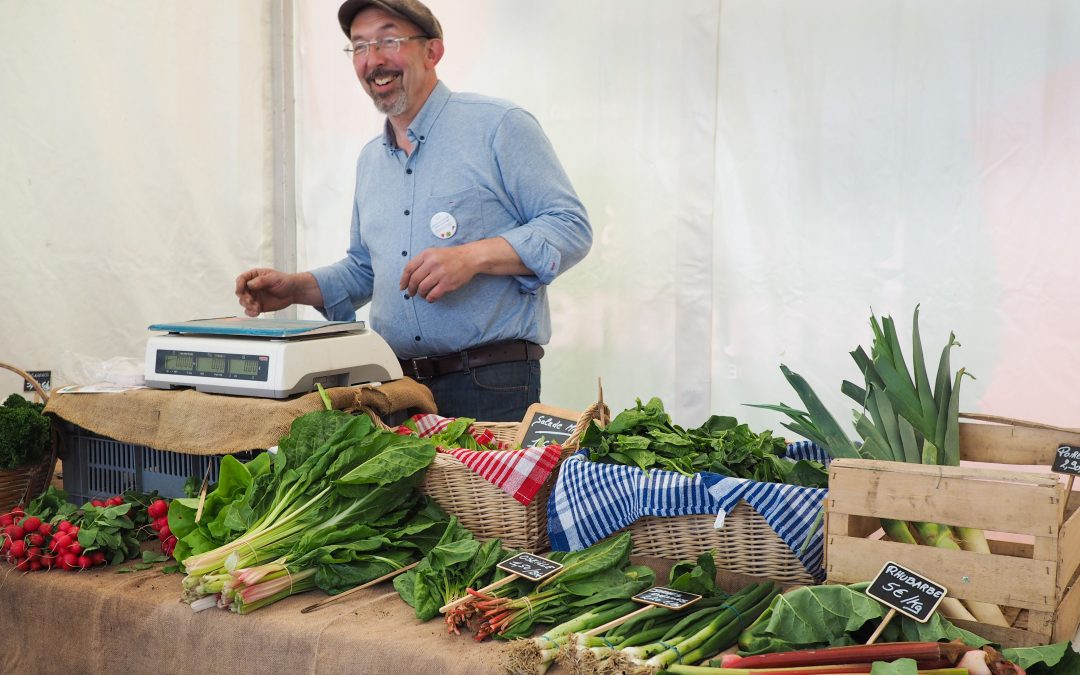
(99, 621)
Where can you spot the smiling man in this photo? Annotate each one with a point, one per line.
(462, 217)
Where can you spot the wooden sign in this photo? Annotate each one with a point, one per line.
(545, 424)
(658, 596)
(529, 566)
(522, 566)
(1067, 460)
(661, 596)
(906, 592)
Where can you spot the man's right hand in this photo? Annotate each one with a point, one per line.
(266, 290)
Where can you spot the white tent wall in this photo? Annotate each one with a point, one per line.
(759, 175)
(885, 154)
(135, 176)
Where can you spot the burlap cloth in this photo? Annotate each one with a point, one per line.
(97, 621)
(195, 423)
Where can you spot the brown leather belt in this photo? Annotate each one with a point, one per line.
(484, 355)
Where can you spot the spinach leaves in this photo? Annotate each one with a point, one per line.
(644, 436)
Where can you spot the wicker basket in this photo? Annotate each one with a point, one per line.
(484, 508)
(746, 544)
(19, 485)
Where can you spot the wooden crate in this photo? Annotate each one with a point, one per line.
(1030, 519)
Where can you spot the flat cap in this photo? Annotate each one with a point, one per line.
(413, 10)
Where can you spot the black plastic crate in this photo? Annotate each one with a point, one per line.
(96, 467)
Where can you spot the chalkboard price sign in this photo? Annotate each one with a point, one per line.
(545, 424)
(1067, 460)
(530, 566)
(661, 596)
(906, 592)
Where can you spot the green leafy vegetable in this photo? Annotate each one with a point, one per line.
(24, 432)
(644, 436)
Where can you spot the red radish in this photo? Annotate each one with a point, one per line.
(45, 528)
(63, 541)
(73, 530)
(161, 523)
(18, 548)
(98, 557)
(70, 558)
(7, 519)
(165, 532)
(97, 502)
(31, 523)
(64, 526)
(48, 561)
(35, 539)
(85, 561)
(33, 553)
(15, 532)
(75, 547)
(17, 513)
(5, 546)
(158, 509)
(35, 564)
(115, 501)
(23, 565)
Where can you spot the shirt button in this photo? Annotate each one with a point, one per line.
(421, 138)
(406, 211)
(408, 171)
(406, 296)
(417, 338)
(404, 254)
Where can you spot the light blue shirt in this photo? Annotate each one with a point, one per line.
(487, 164)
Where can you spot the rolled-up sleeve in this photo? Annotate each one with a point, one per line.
(555, 233)
(348, 283)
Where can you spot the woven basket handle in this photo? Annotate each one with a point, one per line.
(597, 411)
(26, 376)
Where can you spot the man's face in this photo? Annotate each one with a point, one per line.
(397, 81)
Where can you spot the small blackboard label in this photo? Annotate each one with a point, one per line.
(661, 596)
(43, 377)
(906, 592)
(544, 425)
(1067, 460)
(530, 566)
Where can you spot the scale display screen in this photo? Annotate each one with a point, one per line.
(212, 364)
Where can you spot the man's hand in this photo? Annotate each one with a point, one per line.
(438, 271)
(266, 290)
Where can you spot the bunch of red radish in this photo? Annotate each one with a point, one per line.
(158, 511)
(32, 545)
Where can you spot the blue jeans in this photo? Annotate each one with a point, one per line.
(501, 392)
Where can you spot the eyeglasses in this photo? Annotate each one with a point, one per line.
(388, 45)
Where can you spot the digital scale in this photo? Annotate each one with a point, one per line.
(272, 358)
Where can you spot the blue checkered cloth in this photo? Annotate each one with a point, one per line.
(592, 500)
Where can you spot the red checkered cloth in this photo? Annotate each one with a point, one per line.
(518, 473)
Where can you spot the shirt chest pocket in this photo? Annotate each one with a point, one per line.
(456, 218)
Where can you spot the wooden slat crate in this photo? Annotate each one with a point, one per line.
(1030, 520)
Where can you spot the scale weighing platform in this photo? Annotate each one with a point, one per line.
(271, 358)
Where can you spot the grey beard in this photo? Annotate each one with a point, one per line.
(394, 105)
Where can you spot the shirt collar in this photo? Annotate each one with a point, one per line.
(420, 128)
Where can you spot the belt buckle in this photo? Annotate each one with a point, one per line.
(416, 369)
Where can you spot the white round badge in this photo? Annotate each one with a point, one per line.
(443, 225)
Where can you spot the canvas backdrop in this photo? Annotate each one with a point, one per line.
(760, 175)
